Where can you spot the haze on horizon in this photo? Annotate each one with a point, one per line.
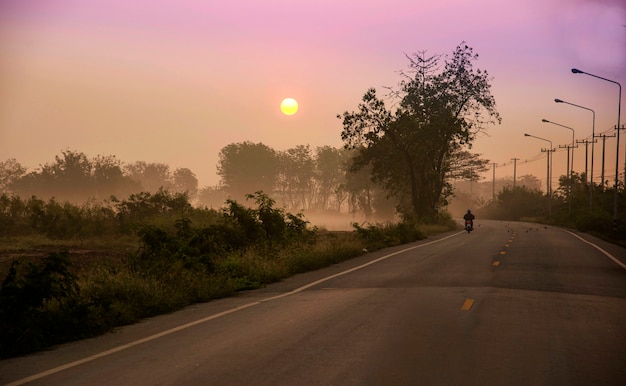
(174, 83)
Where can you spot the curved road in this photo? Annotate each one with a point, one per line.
(511, 303)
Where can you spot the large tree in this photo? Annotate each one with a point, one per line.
(438, 109)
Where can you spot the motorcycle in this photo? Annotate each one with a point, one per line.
(469, 226)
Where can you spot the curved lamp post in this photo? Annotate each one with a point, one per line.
(619, 107)
(570, 171)
(549, 177)
(593, 141)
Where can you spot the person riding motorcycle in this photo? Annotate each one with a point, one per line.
(469, 217)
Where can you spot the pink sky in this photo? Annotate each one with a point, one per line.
(176, 81)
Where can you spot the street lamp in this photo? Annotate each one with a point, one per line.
(573, 141)
(548, 177)
(619, 108)
(570, 172)
(593, 141)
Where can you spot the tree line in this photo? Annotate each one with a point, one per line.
(401, 152)
(76, 178)
(299, 179)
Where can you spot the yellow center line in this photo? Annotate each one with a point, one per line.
(467, 304)
(495, 263)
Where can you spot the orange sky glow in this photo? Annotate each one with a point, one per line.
(175, 82)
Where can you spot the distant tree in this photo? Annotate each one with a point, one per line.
(10, 171)
(212, 197)
(515, 204)
(330, 169)
(109, 179)
(69, 178)
(183, 180)
(529, 181)
(246, 168)
(295, 179)
(360, 189)
(411, 149)
(151, 176)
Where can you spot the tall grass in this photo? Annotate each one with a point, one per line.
(50, 301)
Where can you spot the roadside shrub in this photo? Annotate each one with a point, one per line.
(54, 219)
(199, 249)
(515, 203)
(145, 208)
(597, 220)
(382, 235)
(329, 249)
(40, 306)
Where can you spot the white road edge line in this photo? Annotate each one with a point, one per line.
(599, 249)
(215, 316)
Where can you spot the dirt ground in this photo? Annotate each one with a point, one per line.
(80, 258)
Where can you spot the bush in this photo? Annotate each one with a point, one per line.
(40, 306)
(597, 220)
(383, 235)
(516, 203)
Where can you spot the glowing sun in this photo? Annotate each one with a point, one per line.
(289, 106)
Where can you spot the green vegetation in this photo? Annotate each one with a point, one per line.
(592, 216)
(179, 255)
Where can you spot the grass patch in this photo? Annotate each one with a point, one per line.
(66, 296)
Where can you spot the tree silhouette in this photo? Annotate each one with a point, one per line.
(330, 169)
(10, 171)
(183, 180)
(295, 180)
(246, 168)
(411, 148)
(151, 176)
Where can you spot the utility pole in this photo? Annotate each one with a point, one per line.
(586, 142)
(494, 182)
(604, 137)
(549, 179)
(618, 128)
(569, 177)
(514, 170)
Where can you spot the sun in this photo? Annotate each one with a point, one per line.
(289, 106)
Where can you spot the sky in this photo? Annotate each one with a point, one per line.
(176, 81)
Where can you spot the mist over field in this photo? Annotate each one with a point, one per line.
(312, 183)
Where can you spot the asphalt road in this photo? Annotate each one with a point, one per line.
(508, 304)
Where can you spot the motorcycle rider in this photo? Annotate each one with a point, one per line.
(469, 217)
